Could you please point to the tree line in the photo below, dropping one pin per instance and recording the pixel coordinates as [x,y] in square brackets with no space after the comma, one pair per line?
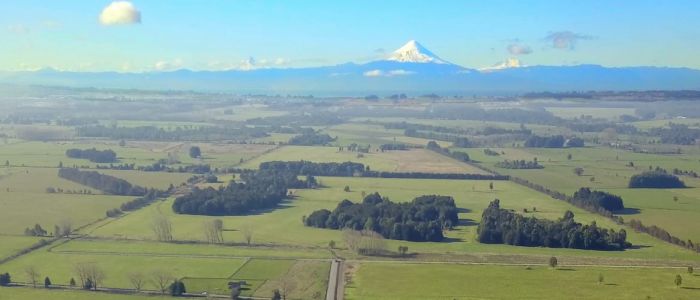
[458,155]
[187,133]
[310,139]
[519,164]
[259,190]
[350,169]
[93,155]
[555,141]
[457,141]
[420,220]
[663,235]
[106,183]
[679,134]
[501,226]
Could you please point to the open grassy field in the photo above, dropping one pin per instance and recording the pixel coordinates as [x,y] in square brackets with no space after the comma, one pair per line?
[12,293]
[36,180]
[11,244]
[20,210]
[415,160]
[374,281]
[611,113]
[140,153]
[608,169]
[158,180]
[283,226]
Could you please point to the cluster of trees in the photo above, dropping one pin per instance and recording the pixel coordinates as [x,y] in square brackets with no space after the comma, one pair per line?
[490,152]
[348,169]
[602,199]
[519,164]
[501,226]
[344,169]
[140,202]
[186,133]
[658,179]
[64,229]
[580,203]
[108,184]
[679,134]
[159,166]
[310,139]
[94,155]
[602,126]
[490,130]
[393,146]
[263,189]
[663,235]
[556,141]
[457,141]
[458,155]
[35,231]
[5,279]
[422,219]
[690,173]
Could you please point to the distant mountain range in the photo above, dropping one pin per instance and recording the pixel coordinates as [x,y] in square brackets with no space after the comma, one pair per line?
[410,69]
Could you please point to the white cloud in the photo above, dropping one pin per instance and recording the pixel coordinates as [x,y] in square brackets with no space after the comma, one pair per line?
[120,13]
[168,65]
[373,73]
[519,49]
[392,73]
[400,72]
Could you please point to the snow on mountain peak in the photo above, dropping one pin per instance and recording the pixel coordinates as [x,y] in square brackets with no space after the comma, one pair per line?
[415,52]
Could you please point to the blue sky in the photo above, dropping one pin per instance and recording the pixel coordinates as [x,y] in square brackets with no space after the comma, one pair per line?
[222,34]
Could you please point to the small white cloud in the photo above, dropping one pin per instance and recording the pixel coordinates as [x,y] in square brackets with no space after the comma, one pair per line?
[519,49]
[168,65]
[120,13]
[400,73]
[281,61]
[391,73]
[373,73]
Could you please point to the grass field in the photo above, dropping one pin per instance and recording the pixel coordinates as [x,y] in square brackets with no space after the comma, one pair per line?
[20,210]
[284,225]
[607,169]
[415,160]
[11,244]
[13,293]
[374,281]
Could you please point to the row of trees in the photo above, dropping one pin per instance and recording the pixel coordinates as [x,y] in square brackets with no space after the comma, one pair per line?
[458,155]
[555,141]
[658,179]
[663,235]
[519,164]
[393,147]
[106,183]
[349,169]
[93,155]
[457,141]
[501,226]
[310,139]
[422,219]
[190,133]
[679,134]
[262,190]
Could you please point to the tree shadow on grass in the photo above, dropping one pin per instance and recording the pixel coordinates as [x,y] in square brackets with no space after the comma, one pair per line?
[612,284]
[566,269]
[467,222]
[635,247]
[690,288]
[463,210]
[628,211]
[451,240]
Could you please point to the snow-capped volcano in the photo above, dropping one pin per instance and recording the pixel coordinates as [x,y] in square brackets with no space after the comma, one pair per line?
[414,52]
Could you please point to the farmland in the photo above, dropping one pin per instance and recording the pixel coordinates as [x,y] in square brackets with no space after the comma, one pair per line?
[273,249]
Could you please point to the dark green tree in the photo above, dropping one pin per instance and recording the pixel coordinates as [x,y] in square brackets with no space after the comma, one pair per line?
[679,280]
[177,288]
[553,262]
[5,279]
[195,152]
[276,295]
[47,282]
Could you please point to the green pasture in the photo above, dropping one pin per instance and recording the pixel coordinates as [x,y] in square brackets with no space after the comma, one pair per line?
[374,281]
[11,244]
[12,293]
[283,226]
